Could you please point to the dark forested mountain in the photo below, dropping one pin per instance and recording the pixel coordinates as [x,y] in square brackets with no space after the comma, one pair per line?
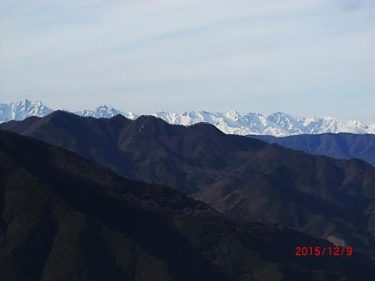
[340,146]
[64,218]
[242,177]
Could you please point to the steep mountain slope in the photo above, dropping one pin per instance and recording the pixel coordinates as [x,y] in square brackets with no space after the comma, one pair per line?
[239,176]
[231,122]
[340,146]
[63,218]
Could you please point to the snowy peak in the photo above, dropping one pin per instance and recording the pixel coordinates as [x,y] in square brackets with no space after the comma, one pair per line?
[276,124]
[319,125]
[103,111]
[22,109]
[231,122]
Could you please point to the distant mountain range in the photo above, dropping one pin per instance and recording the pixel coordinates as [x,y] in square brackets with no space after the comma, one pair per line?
[64,218]
[232,122]
[241,177]
[340,146]
[22,109]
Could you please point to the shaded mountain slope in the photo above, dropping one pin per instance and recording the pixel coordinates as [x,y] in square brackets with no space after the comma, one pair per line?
[239,176]
[63,218]
[340,146]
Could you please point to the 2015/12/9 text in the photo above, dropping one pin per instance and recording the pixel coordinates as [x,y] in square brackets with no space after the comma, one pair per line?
[319,251]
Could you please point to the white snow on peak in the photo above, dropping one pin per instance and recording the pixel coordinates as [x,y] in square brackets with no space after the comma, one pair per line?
[276,124]
[106,111]
[22,109]
[103,111]
[231,122]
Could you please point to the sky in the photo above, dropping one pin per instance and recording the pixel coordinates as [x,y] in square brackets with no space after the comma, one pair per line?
[303,57]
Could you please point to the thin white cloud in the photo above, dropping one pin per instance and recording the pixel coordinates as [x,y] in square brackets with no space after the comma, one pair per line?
[91,52]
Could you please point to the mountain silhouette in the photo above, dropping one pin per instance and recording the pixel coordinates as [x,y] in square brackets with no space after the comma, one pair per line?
[340,146]
[65,218]
[241,177]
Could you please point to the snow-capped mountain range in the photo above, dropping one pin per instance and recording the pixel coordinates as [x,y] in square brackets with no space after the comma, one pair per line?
[232,122]
[22,109]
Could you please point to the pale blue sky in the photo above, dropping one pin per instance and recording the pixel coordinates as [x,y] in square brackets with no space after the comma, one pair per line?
[304,57]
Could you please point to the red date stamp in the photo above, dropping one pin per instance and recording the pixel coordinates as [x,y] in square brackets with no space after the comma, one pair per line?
[321,251]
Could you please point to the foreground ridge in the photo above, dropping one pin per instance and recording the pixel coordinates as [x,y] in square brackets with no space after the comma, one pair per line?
[240,176]
[72,220]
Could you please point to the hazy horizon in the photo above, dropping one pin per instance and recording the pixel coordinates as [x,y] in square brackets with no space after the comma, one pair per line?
[305,58]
